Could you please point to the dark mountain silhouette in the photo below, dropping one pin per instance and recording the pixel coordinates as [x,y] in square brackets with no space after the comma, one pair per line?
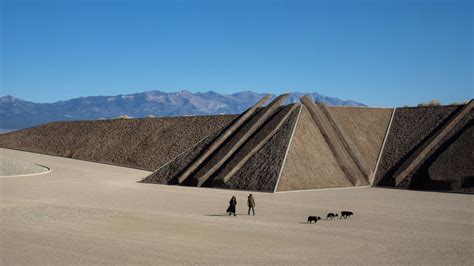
[17,113]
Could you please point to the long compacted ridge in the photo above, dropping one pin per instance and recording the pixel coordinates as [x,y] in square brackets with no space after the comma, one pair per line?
[257,142]
[222,138]
[237,140]
[336,145]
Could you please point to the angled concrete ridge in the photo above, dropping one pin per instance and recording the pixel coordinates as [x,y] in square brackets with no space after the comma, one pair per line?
[255,123]
[424,151]
[348,144]
[222,138]
[335,144]
[274,127]
[387,132]
[287,149]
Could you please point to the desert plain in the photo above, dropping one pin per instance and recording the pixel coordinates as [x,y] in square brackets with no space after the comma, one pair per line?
[89,213]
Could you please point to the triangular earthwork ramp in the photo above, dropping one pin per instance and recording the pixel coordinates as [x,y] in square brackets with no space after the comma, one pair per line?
[310,163]
[334,147]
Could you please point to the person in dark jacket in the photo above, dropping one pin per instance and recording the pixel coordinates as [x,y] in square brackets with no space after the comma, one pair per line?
[232,204]
[251,203]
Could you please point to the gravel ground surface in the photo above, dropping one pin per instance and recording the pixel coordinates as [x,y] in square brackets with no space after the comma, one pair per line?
[84,213]
[11,167]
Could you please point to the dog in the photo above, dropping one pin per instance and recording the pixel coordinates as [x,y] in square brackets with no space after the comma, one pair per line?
[313,218]
[331,216]
[345,214]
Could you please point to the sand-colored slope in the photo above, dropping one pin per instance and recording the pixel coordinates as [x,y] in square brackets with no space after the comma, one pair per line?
[138,143]
[14,167]
[310,163]
[86,213]
[365,127]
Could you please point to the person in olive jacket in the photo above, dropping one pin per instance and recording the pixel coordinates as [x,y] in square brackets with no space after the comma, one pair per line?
[251,203]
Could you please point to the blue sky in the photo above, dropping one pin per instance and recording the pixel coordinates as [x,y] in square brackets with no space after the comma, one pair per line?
[381,53]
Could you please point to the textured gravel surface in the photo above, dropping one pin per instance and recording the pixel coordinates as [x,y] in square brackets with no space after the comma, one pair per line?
[240,136]
[261,172]
[10,167]
[169,173]
[411,127]
[84,213]
[258,174]
[251,146]
[451,167]
[138,143]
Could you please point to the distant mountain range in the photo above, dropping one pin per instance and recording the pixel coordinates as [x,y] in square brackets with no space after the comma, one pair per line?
[17,113]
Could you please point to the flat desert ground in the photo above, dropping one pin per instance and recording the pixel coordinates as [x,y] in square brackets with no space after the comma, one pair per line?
[89,213]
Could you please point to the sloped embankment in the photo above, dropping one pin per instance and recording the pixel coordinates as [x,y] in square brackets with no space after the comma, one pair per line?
[449,167]
[250,159]
[137,143]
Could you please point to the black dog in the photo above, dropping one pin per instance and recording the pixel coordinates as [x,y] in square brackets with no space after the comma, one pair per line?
[345,214]
[313,218]
[331,216]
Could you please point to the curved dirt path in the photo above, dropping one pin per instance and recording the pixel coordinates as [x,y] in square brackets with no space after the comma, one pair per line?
[89,213]
[13,168]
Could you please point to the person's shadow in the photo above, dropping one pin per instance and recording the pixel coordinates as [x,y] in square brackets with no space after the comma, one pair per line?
[226,214]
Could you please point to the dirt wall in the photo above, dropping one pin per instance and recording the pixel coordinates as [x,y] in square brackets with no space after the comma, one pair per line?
[450,167]
[137,143]
[411,127]
[254,144]
[169,173]
[261,172]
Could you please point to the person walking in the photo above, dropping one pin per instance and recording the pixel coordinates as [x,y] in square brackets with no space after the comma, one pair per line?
[232,204]
[251,203]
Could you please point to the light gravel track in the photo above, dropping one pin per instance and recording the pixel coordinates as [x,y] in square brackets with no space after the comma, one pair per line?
[14,167]
[88,213]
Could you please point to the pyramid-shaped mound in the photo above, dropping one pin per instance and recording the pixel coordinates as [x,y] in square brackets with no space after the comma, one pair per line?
[323,154]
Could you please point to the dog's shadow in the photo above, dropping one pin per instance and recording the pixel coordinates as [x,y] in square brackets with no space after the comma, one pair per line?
[224,214]
[326,219]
